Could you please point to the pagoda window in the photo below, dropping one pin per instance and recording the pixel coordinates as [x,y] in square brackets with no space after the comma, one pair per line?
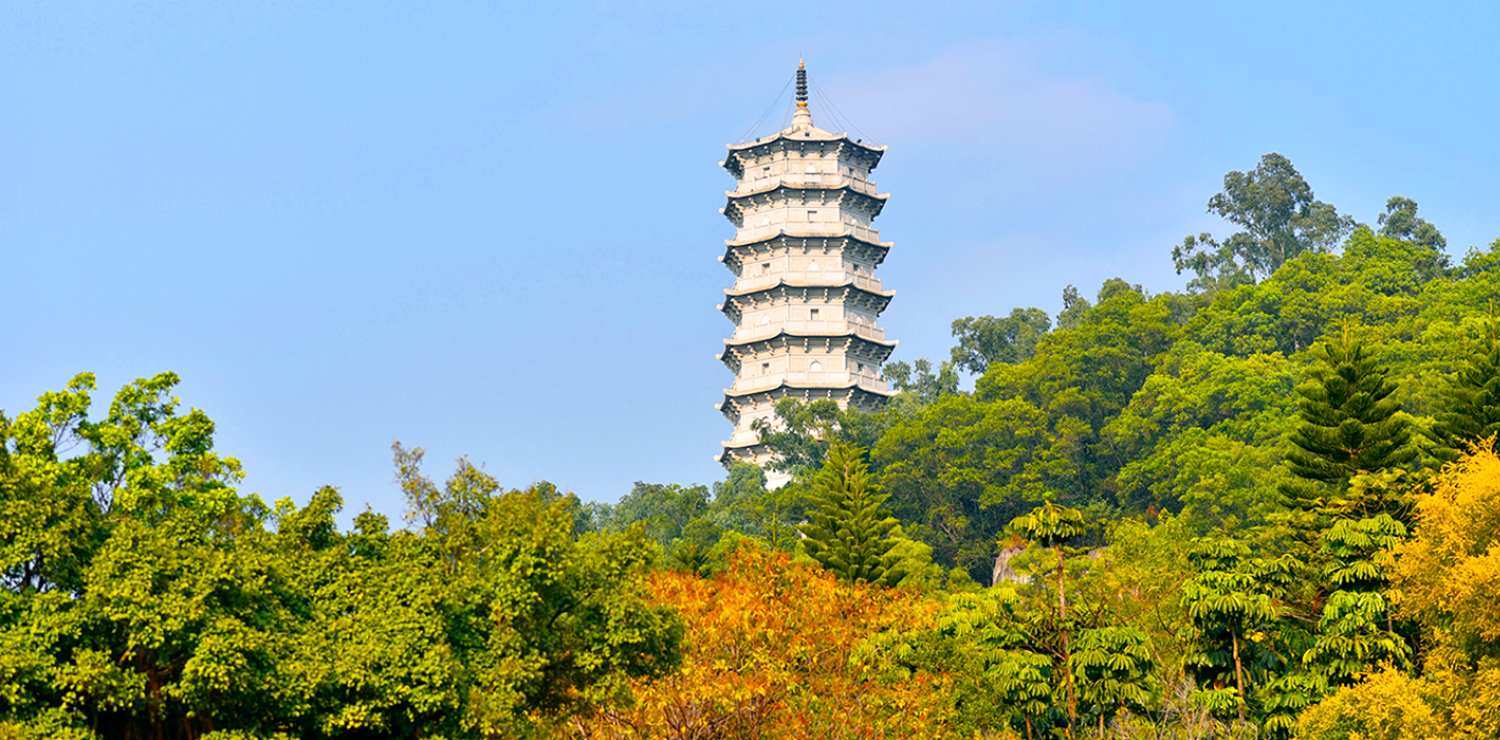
[815,367]
[811,170]
[813,265]
[765,368]
[812,314]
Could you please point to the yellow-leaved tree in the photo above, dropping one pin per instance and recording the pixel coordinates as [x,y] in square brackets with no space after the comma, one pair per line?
[1447,578]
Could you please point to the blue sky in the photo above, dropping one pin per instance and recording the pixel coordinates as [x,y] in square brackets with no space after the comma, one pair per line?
[490,230]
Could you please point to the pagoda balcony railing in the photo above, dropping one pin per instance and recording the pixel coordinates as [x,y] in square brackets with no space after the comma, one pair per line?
[834,378]
[770,329]
[807,277]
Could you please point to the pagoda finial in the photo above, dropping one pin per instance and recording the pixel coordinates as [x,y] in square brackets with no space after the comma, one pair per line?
[801,84]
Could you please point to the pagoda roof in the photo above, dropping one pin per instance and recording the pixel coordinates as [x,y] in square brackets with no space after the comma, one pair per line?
[888,343]
[871,203]
[857,344]
[872,299]
[787,236]
[784,283]
[731,404]
[796,137]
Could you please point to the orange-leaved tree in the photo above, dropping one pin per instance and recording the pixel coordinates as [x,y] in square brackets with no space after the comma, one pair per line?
[770,653]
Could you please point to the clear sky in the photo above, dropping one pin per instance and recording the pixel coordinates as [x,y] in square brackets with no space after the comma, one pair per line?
[490,229]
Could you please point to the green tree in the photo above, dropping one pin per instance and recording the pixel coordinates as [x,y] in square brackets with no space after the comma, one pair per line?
[1400,221]
[1469,408]
[1054,527]
[1083,377]
[1356,633]
[1231,601]
[177,613]
[849,532]
[1203,435]
[1350,427]
[1280,220]
[1114,671]
[802,432]
[985,340]
[663,510]
[1075,307]
[962,468]
[918,379]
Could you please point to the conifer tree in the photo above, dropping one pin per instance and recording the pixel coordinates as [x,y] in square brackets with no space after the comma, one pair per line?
[1470,405]
[1350,427]
[849,531]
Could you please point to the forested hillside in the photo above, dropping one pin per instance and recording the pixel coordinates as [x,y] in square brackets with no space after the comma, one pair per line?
[1263,506]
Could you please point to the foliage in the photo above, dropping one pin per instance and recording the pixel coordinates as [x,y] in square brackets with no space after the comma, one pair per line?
[1232,602]
[1350,424]
[1203,435]
[986,340]
[1114,671]
[849,532]
[1280,218]
[773,652]
[802,432]
[1470,404]
[144,597]
[1449,572]
[920,381]
[961,468]
[1351,428]
[1387,705]
[1400,221]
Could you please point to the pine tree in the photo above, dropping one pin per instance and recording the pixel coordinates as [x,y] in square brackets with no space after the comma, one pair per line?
[849,532]
[1470,405]
[1350,427]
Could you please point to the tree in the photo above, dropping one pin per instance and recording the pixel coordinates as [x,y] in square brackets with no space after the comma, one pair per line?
[802,432]
[1469,408]
[1231,600]
[1075,307]
[959,470]
[1280,220]
[849,531]
[176,612]
[986,340]
[1082,377]
[1400,221]
[1204,434]
[662,509]
[1113,669]
[1449,572]
[1356,633]
[1053,527]
[1350,427]
[918,379]
[775,650]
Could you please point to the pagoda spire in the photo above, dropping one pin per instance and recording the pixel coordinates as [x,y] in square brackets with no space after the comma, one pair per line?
[801,84]
[803,117]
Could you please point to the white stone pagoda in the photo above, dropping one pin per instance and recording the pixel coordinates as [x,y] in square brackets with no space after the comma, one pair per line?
[805,299]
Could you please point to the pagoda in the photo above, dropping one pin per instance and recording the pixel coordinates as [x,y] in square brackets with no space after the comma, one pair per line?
[805,299]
